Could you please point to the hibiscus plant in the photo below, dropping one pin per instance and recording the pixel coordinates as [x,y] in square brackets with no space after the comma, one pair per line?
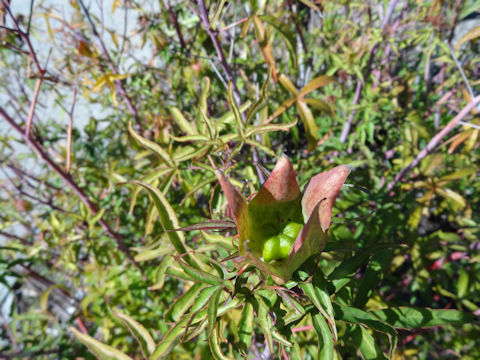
[269,288]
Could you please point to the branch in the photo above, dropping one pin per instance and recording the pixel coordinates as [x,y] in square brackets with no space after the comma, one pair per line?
[203,14]
[25,36]
[69,181]
[434,141]
[31,113]
[174,20]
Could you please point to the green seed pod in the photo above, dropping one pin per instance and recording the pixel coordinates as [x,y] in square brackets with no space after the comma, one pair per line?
[278,247]
[271,249]
[292,229]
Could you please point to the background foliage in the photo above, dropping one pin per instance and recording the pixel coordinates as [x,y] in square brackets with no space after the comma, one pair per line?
[98,96]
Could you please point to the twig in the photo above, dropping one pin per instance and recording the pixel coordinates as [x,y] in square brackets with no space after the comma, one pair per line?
[31,113]
[454,20]
[33,197]
[469,124]
[460,69]
[124,38]
[390,9]
[174,20]
[15,237]
[26,38]
[434,141]
[235,23]
[348,123]
[20,172]
[298,29]
[30,17]
[203,14]
[69,132]
[5,324]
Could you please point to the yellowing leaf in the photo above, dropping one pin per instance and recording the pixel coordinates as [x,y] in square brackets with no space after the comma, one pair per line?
[319,105]
[265,47]
[150,145]
[288,84]
[143,337]
[261,129]
[100,350]
[315,84]
[311,128]
[284,106]
[114,5]
[452,196]
[108,79]
[471,35]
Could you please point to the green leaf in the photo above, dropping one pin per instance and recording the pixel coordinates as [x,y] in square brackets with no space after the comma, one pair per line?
[149,178]
[183,123]
[265,321]
[325,340]
[160,273]
[170,339]
[185,153]
[417,318]
[288,84]
[229,117]
[151,254]
[214,341]
[288,37]
[356,316]
[374,274]
[45,295]
[311,5]
[178,273]
[320,286]
[200,275]
[236,112]
[344,272]
[143,337]
[319,105]
[100,350]
[262,147]
[366,344]
[150,145]
[169,221]
[262,100]
[471,35]
[463,283]
[311,129]
[261,129]
[183,303]
[315,84]
[204,297]
[452,196]
[190,138]
[212,312]
[310,292]
[245,326]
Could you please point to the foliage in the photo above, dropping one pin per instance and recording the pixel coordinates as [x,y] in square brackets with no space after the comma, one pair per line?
[117,239]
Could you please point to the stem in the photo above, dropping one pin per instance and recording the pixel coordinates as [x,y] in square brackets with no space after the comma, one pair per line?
[174,20]
[31,113]
[203,14]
